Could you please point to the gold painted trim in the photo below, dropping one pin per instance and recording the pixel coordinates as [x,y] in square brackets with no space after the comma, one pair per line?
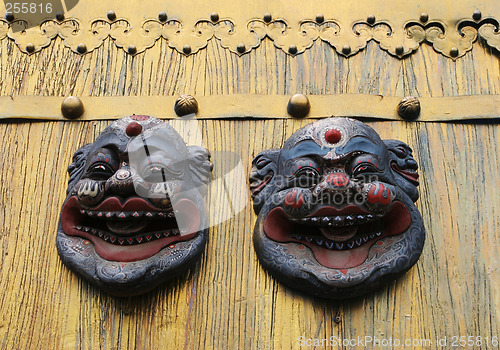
[433,109]
[347,40]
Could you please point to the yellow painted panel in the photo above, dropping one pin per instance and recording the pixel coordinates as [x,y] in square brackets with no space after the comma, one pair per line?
[228,301]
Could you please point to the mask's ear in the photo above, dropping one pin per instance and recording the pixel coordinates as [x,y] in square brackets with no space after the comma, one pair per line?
[75,169]
[403,167]
[201,167]
[262,176]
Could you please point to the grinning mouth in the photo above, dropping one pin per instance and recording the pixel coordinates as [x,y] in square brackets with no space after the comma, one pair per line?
[410,175]
[131,231]
[338,238]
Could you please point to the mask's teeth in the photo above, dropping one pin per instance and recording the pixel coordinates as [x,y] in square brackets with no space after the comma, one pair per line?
[339,220]
[326,221]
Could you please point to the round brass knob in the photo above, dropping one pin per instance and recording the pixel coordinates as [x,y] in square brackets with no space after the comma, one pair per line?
[409,108]
[298,106]
[72,107]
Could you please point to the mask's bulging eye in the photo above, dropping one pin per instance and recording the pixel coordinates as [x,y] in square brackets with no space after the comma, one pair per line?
[100,171]
[364,168]
[306,177]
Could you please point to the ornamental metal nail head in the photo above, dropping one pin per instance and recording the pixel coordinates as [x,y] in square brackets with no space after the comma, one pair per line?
[214,17]
[81,48]
[9,16]
[60,16]
[132,50]
[298,106]
[454,52]
[117,227]
[30,48]
[424,17]
[72,107]
[409,108]
[162,16]
[320,18]
[241,48]
[185,105]
[477,15]
[111,15]
[370,19]
[186,49]
[268,17]
[346,50]
[292,49]
[399,50]
[336,213]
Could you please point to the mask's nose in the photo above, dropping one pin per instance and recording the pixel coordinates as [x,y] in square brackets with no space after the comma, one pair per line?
[335,183]
[121,182]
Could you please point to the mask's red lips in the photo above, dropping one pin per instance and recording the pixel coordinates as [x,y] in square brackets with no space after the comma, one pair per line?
[331,211]
[141,245]
[411,176]
[333,254]
[132,204]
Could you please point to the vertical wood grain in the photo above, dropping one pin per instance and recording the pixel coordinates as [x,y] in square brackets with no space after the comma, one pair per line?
[228,301]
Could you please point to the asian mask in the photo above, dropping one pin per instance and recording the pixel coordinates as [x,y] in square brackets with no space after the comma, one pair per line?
[134,215]
[336,213]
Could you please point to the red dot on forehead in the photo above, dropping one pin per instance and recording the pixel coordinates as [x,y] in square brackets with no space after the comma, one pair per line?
[333,136]
[133,129]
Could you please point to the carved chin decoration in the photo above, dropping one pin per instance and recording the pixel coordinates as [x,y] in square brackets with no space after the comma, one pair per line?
[134,215]
[336,213]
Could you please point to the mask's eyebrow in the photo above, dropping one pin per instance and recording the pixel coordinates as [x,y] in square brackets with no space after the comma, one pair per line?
[305,148]
[361,144]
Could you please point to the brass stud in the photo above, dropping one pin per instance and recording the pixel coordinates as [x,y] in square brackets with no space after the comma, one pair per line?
[370,19]
[214,17]
[409,108]
[298,106]
[162,16]
[399,50]
[72,107]
[320,18]
[60,16]
[346,50]
[241,48]
[30,48]
[454,52]
[292,49]
[424,17]
[185,105]
[9,16]
[81,48]
[268,18]
[111,15]
[132,50]
[476,15]
[337,319]
[186,49]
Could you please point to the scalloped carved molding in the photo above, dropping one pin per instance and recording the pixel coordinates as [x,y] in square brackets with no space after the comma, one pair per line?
[82,37]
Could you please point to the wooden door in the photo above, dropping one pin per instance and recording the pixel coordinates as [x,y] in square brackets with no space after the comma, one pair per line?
[242,84]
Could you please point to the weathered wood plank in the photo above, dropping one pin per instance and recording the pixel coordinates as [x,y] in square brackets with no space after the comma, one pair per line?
[228,301]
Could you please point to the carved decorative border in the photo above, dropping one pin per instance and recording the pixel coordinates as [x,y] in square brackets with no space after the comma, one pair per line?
[346,40]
